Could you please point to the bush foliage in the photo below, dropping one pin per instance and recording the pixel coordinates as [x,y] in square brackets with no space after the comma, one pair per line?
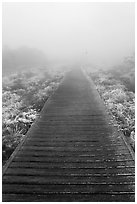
[23,97]
[119,101]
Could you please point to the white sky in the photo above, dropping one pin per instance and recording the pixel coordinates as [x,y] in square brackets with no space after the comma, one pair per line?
[65,30]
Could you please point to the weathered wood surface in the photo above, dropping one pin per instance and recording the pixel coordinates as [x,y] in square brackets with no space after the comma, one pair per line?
[71,153]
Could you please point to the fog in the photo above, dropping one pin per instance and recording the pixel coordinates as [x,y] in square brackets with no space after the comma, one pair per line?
[98,33]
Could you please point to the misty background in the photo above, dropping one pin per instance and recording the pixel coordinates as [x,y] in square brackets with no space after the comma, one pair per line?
[44,34]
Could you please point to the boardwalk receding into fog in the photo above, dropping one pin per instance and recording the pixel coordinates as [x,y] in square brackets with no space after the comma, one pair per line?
[71,153]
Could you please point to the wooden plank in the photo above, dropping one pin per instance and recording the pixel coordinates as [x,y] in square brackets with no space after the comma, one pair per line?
[68,171]
[72,144]
[68,197]
[66,179]
[93,149]
[45,189]
[72,154]
[107,165]
[70,159]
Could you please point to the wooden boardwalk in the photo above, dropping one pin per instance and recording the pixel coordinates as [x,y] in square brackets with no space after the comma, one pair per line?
[71,153]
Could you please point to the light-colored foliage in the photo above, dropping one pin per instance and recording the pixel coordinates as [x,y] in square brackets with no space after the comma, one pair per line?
[119,101]
[23,97]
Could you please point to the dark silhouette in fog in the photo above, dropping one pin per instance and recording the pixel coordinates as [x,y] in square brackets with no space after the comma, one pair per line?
[20,59]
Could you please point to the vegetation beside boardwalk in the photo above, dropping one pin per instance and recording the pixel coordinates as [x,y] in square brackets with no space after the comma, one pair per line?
[117,88]
[23,96]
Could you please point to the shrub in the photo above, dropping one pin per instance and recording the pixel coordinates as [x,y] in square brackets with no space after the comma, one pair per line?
[119,100]
[23,97]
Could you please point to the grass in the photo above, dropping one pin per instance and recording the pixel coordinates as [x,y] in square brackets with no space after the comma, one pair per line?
[23,96]
[119,100]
